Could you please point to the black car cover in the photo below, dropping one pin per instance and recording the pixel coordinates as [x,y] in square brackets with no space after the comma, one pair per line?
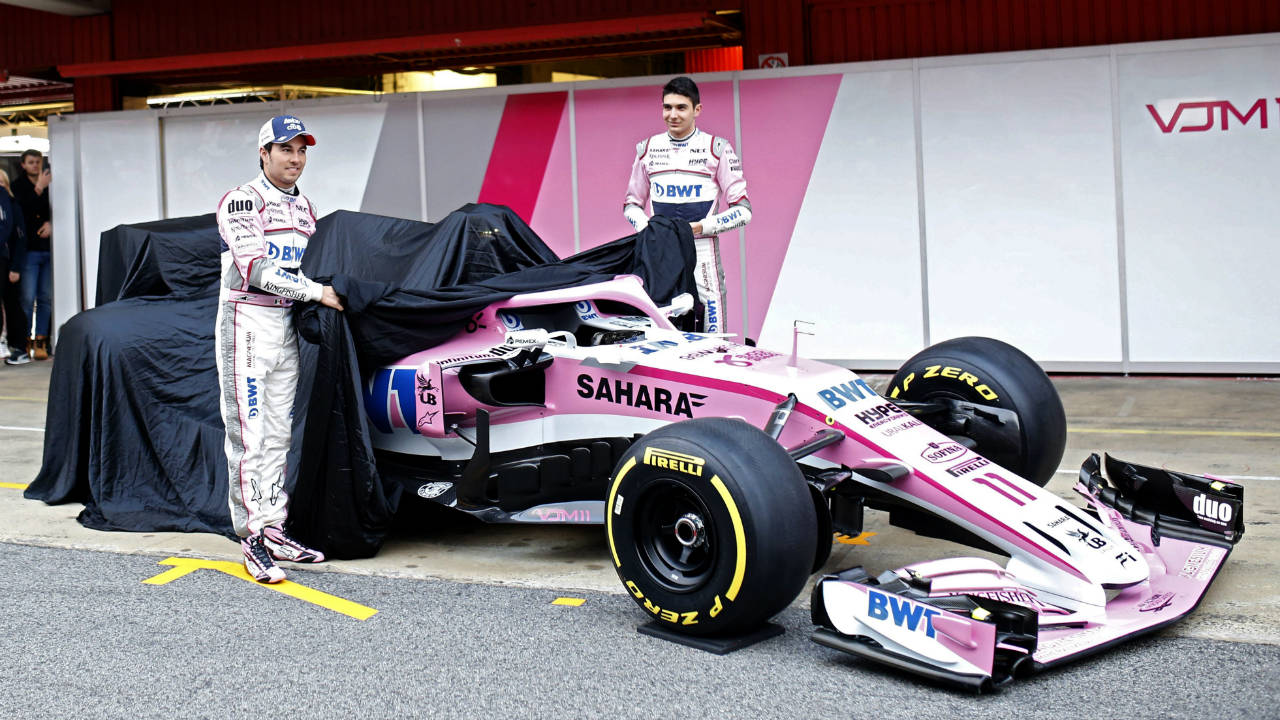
[133,429]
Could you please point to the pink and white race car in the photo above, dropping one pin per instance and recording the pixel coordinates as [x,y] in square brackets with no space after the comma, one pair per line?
[720,471]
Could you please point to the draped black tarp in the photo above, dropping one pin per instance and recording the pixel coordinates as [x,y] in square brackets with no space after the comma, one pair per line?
[133,429]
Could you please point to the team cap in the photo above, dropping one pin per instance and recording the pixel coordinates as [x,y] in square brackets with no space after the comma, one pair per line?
[282,129]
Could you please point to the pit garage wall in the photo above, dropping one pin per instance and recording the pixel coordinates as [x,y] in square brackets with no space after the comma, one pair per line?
[1031,196]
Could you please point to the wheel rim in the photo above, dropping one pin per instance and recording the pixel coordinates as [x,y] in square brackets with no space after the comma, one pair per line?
[675,536]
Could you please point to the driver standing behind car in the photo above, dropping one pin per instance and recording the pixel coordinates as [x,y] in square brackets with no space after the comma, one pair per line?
[684,171]
[264,225]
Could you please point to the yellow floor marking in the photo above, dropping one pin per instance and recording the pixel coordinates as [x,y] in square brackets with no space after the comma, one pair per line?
[185,566]
[571,602]
[171,574]
[20,398]
[862,539]
[1206,433]
[14,486]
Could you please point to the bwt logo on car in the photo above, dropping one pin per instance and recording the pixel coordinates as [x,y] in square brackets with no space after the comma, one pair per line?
[252,394]
[901,612]
[840,395]
[1200,115]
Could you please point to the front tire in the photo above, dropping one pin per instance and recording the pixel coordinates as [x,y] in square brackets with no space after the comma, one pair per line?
[711,526]
[990,372]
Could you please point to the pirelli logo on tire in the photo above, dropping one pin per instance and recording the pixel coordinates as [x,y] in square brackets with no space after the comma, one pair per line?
[671,460]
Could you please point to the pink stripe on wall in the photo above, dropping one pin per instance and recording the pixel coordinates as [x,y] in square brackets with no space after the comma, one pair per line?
[783,121]
[552,217]
[609,124]
[521,151]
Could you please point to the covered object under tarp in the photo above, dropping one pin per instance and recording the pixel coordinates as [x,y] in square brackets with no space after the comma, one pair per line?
[133,430]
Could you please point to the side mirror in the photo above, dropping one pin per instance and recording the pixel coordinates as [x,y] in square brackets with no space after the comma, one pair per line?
[680,305]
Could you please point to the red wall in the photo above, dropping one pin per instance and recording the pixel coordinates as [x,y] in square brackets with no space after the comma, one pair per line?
[713,60]
[830,31]
[153,28]
[809,31]
[31,40]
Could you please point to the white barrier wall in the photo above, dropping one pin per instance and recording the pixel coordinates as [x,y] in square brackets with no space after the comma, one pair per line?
[1200,199]
[1105,208]
[1020,206]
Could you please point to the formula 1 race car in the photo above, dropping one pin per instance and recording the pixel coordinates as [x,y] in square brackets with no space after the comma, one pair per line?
[721,470]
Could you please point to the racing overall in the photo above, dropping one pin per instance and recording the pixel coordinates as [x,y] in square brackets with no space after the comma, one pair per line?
[684,179]
[264,235]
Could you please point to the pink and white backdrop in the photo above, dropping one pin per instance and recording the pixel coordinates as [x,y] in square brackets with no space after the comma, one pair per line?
[1032,197]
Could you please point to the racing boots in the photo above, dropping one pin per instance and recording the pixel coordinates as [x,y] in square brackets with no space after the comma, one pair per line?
[258,562]
[283,547]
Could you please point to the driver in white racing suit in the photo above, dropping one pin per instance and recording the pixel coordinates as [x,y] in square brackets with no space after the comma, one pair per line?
[264,225]
[683,172]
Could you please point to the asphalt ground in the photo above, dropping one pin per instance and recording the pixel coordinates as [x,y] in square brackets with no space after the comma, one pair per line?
[463,621]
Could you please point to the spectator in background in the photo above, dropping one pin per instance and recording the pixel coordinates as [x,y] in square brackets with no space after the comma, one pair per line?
[31,191]
[12,254]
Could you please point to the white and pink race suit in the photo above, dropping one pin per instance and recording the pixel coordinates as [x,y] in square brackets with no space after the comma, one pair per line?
[264,235]
[684,179]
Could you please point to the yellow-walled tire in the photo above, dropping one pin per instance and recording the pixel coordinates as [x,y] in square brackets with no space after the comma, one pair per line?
[711,526]
[990,372]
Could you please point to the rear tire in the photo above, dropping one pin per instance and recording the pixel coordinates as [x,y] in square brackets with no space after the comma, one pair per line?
[990,372]
[711,526]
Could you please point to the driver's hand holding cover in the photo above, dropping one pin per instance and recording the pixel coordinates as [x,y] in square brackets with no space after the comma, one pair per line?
[264,235]
[683,179]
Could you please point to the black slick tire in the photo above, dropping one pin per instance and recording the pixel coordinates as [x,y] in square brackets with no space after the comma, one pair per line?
[711,526]
[990,372]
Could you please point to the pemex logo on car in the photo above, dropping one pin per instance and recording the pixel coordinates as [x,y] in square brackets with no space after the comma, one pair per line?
[940,452]
[671,460]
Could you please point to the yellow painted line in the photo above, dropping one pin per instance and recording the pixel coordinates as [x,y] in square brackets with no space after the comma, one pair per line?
[1205,433]
[185,566]
[171,574]
[21,398]
[861,539]
[571,602]
[14,486]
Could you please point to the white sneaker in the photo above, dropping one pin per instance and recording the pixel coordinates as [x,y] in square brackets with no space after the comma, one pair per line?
[283,547]
[258,562]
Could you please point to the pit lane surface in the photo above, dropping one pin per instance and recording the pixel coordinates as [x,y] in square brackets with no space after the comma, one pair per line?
[85,636]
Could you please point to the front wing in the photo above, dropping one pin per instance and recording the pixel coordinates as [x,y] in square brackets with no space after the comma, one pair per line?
[917,619]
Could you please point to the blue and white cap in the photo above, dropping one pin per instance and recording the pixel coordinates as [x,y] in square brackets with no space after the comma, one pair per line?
[282,129]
